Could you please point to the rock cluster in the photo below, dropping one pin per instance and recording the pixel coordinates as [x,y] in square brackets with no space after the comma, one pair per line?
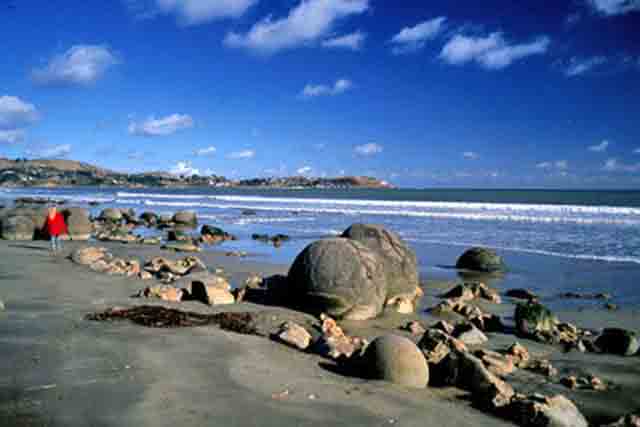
[27,223]
[101,261]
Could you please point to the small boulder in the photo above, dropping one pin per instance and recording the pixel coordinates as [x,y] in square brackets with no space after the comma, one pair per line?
[181,247]
[469,334]
[618,341]
[88,256]
[78,223]
[188,218]
[294,335]
[19,228]
[396,359]
[482,260]
[111,215]
[532,318]
[539,410]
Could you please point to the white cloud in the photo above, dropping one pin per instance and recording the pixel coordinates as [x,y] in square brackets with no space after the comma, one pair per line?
[412,39]
[614,7]
[184,169]
[12,136]
[340,86]
[370,149]
[243,154]
[57,151]
[470,155]
[15,112]
[351,41]
[579,66]
[81,64]
[599,148]
[192,12]
[558,164]
[209,151]
[161,127]
[309,21]
[304,170]
[636,151]
[492,52]
[612,165]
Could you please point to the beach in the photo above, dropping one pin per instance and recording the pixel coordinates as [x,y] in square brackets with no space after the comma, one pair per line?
[59,369]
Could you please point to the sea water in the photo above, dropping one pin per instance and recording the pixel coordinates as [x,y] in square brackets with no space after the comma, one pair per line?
[553,241]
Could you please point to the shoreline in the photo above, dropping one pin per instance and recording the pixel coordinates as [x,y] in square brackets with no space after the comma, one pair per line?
[57,365]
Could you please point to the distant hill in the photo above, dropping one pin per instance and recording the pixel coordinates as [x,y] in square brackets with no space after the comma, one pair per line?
[56,173]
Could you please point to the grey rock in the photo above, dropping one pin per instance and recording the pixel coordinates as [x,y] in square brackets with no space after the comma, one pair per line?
[482,260]
[618,341]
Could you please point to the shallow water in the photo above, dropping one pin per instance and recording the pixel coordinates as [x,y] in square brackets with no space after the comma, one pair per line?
[553,241]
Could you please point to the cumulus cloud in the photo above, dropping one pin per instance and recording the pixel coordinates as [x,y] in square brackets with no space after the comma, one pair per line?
[412,39]
[370,149]
[15,113]
[12,136]
[340,86]
[184,169]
[193,12]
[243,154]
[306,23]
[614,7]
[353,41]
[613,165]
[208,151]
[579,66]
[81,65]
[161,127]
[599,148]
[492,52]
[57,151]
[304,170]
[558,164]
[470,155]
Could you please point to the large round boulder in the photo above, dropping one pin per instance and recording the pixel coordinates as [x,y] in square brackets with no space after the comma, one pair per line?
[185,218]
[111,215]
[396,359]
[481,259]
[400,263]
[340,277]
[78,223]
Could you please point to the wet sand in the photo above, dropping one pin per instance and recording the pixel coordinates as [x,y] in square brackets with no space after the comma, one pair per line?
[59,369]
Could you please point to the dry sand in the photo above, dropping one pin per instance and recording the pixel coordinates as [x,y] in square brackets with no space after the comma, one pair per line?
[59,369]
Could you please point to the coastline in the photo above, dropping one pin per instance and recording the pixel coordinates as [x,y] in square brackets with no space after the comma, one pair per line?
[62,370]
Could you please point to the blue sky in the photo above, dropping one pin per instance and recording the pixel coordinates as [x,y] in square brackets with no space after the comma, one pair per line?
[466,94]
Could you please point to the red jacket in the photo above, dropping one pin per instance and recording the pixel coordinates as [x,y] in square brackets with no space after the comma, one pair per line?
[56,226]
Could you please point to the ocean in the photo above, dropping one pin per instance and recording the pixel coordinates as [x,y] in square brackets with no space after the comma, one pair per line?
[553,241]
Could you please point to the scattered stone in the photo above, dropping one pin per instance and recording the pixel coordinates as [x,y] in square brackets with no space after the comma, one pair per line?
[466,371]
[532,318]
[396,359]
[630,420]
[469,334]
[610,306]
[212,235]
[542,367]
[519,354]
[415,328]
[496,363]
[437,344]
[472,290]
[538,410]
[480,259]
[187,218]
[576,295]
[334,343]
[89,255]
[187,265]
[295,335]
[618,341]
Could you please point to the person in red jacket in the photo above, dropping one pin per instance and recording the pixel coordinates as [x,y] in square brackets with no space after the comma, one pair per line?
[55,227]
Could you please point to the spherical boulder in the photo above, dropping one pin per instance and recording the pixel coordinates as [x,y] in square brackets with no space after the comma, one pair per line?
[78,223]
[340,277]
[185,218]
[481,259]
[396,359]
[400,262]
[111,215]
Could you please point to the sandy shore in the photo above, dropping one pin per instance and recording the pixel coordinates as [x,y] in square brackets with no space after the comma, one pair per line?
[59,369]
